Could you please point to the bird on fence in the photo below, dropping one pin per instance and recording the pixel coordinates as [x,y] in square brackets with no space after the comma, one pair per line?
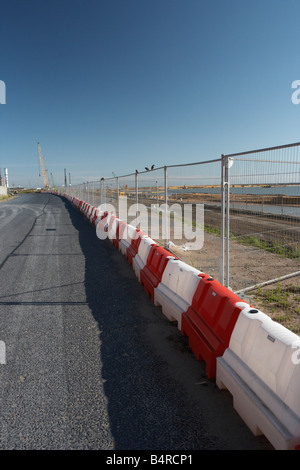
[147,168]
[152,168]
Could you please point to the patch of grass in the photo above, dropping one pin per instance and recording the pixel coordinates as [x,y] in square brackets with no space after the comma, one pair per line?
[211,229]
[25,191]
[278,297]
[4,198]
[253,240]
[216,231]
[282,304]
[271,246]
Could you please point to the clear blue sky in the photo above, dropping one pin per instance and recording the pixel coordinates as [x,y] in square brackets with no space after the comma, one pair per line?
[116,85]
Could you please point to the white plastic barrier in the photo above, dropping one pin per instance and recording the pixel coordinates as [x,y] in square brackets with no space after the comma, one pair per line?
[92,214]
[261,369]
[89,212]
[112,228]
[125,241]
[102,224]
[95,219]
[174,294]
[98,218]
[140,259]
[82,207]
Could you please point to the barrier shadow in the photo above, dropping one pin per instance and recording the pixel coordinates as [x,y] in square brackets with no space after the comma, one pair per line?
[147,407]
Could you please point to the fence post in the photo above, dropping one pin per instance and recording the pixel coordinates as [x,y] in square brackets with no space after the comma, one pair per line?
[227,218]
[118,200]
[166,207]
[102,192]
[136,196]
[222,265]
[227,163]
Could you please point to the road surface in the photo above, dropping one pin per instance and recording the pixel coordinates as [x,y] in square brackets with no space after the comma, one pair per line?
[90,362]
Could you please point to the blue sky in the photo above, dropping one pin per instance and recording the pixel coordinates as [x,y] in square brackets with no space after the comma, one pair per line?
[116,85]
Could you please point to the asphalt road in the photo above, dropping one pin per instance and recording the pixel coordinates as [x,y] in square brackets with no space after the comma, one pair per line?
[91,363]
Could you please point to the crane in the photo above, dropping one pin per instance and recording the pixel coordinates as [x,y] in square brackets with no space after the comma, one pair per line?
[44,173]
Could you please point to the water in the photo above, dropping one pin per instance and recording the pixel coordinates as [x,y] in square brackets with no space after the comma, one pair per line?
[293,190]
[264,209]
[261,209]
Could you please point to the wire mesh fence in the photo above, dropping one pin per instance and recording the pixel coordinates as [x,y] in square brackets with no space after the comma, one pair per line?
[265,209]
[194,199]
[236,217]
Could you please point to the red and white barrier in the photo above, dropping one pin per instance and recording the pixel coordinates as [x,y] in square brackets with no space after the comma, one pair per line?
[133,248]
[112,228]
[93,215]
[140,259]
[120,233]
[261,369]
[151,273]
[128,235]
[104,219]
[174,294]
[209,321]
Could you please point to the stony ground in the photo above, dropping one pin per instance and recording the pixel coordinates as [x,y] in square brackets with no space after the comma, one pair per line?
[251,266]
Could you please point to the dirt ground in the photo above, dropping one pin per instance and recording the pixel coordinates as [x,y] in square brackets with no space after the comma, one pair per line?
[250,266]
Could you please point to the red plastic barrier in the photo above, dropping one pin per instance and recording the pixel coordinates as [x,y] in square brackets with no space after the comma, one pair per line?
[90,212]
[86,211]
[103,223]
[209,321]
[111,226]
[134,246]
[85,208]
[94,216]
[152,272]
[121,226]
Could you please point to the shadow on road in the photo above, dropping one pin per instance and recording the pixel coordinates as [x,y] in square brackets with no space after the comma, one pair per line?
[147,406]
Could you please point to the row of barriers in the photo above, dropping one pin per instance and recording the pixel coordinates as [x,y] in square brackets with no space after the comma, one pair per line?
[256,359]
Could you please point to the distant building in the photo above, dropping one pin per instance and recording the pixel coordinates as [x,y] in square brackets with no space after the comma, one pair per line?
[3,190]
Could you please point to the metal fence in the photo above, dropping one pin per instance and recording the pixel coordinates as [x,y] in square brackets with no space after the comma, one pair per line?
[236,217]
[264,208]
